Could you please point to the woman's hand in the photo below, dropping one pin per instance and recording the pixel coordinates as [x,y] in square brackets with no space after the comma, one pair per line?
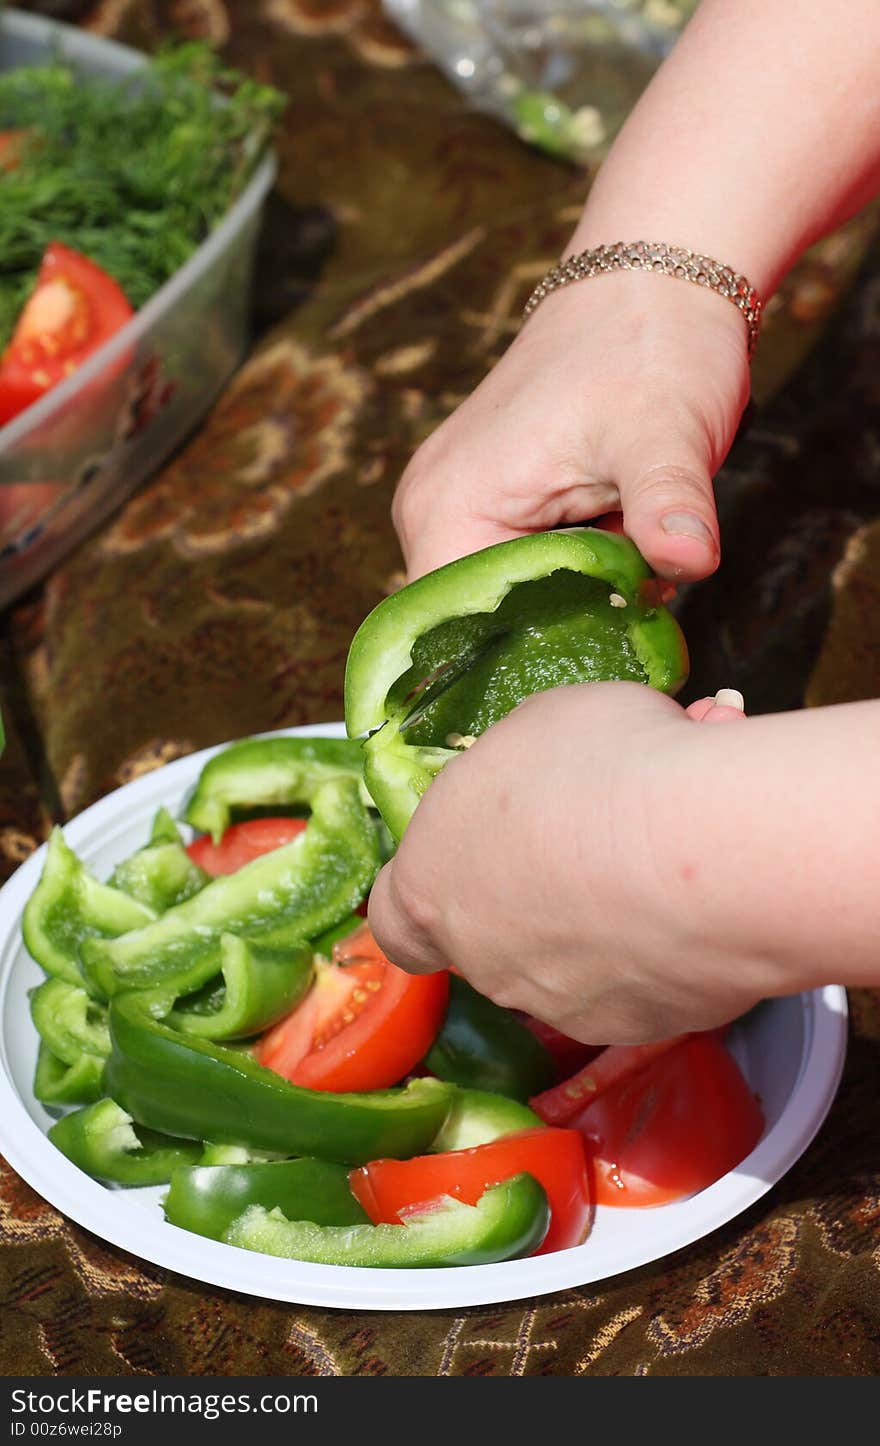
[548,864]
[621,393]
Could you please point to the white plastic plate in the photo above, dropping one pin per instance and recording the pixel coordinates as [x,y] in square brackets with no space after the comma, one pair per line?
[791,1050]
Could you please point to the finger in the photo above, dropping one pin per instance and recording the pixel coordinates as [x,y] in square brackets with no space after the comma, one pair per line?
[720,714]
[669,512]
[394,930]
[730,698]
[613,522]
[697,711]
[728,706]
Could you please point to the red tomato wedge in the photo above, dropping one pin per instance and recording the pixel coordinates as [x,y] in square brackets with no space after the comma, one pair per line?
[389,1189]
[74,308]
[673,1128]
[243,842]
[617,1062]
[363,1025]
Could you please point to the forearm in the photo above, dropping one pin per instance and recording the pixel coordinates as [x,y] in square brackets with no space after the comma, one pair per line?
[759,134]
[775,830]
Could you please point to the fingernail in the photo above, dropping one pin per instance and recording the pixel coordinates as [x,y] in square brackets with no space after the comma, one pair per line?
[730,698]
[687,524]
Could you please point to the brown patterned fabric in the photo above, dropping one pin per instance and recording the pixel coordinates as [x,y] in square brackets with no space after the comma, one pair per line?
[403,238]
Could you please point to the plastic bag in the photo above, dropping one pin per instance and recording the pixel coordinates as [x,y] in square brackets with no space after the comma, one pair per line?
[564,74]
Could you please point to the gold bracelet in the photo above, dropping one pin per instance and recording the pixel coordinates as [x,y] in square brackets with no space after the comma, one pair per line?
[656,256]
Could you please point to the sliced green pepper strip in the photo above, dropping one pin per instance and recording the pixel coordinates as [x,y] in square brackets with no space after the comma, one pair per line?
[208,1199]
[457,649]
[70,906]
[69,1021]
[102,1141]
[478,1116]
[59,1083]
[164,829]
[259,987]
[261,771]
[508,1221]
[303,888]
[485,1047]
[237,1155]
[322,946]
[186,1086]
[162,874]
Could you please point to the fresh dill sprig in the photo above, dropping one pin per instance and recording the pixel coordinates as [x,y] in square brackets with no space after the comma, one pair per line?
[133,174]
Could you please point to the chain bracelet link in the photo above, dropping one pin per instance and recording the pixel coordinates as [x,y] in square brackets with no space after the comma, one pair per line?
[656,256]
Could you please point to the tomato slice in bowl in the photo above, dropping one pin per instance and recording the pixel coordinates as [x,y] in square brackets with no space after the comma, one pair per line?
[610,1066]
[74,308]
[363,1025]
[673,1128]
[390,1189]
[243,842]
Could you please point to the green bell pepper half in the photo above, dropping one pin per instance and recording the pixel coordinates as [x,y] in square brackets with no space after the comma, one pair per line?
[285,772]
[456,650]
[101,1140]
[508,1221]
[301,889]
[69,1021]
[259,987]
[58,1083]
[485,1047]
[207,1199]
[185,1086]
[161,874]
[68,907]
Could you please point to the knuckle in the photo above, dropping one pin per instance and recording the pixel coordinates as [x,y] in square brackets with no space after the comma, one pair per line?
[413,493]
[414,907]
[672,482]
[404,503]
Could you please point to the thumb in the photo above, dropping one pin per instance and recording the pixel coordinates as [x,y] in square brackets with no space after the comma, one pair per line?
[669,512]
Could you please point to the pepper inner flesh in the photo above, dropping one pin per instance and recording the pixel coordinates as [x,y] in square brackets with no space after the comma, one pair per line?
[558,629]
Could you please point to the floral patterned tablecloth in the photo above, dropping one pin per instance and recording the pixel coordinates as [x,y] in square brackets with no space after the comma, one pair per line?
[400,244]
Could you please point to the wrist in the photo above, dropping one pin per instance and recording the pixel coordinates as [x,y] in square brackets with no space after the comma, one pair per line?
[723,865]
[604,224]
[658,324]
[656,260]
[766,826]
